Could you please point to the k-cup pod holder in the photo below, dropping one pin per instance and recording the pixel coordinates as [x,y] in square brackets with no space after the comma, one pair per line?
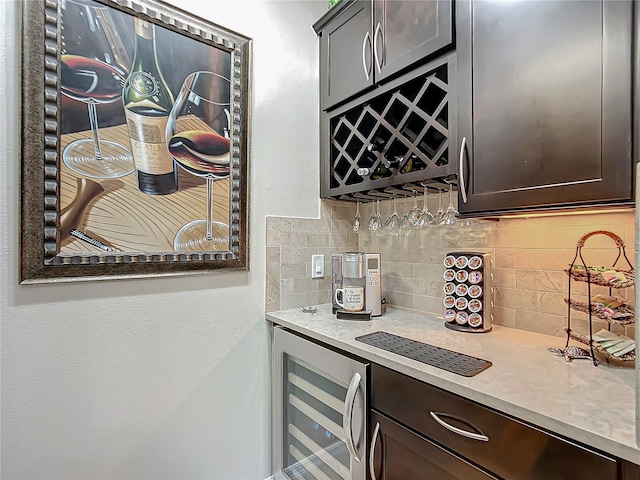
[467,291]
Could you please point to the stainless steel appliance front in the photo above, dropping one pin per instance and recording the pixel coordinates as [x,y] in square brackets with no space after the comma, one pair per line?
[319,402]
[359,270]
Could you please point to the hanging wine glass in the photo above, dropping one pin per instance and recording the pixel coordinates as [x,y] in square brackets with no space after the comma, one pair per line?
[426,217]
[356,221]
[93,66]
[414,214]
[406,226]
[392,225]
[449,217]
[375,220]
[437,218]
[197,136]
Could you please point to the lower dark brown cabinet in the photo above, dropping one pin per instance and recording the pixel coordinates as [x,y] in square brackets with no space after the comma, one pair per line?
[399,454]
[426,429]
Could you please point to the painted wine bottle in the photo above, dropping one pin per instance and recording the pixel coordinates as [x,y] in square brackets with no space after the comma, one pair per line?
[147,104]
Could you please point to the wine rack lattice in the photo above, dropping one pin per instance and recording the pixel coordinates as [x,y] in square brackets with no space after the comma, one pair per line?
[398,134]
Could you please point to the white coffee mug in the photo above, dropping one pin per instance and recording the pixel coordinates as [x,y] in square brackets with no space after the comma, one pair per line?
[352,298]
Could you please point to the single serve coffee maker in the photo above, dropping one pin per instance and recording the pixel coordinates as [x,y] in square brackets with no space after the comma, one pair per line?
[357,285]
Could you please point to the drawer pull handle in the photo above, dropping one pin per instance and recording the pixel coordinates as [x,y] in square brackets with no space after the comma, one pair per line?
[347,417]
[475,436]
[372,453]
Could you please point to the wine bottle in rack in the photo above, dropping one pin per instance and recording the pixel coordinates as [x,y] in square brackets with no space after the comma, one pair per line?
[376,145]
[147,103]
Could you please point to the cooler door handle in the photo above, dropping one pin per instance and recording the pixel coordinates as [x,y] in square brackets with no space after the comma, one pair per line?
[347,418]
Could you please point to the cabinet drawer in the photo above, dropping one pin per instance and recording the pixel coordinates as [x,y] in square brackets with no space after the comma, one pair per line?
[399,454]
[500,444]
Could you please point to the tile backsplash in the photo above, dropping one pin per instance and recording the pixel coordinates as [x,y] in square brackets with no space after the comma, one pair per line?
[290,244]
[529,255]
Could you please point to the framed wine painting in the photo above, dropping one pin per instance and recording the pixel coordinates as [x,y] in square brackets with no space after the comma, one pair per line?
[135,142]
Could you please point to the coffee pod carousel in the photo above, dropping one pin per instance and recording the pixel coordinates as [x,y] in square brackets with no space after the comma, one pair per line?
[467,290]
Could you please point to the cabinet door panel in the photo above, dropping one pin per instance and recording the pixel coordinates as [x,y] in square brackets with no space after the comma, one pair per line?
[409,31]
[547,109]
[529,101]
[346,56]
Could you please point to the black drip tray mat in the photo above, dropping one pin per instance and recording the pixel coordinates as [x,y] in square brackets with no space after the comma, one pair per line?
[448,360]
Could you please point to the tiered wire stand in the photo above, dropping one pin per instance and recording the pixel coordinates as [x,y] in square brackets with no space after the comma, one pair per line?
[595,278]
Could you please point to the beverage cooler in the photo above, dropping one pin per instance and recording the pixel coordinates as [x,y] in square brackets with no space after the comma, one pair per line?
[320,406]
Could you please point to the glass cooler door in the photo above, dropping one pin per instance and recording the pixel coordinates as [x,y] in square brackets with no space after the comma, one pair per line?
[320,411]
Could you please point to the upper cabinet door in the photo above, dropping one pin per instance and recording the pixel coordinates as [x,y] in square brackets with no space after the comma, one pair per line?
[408,31]
[545,104]
[346,54]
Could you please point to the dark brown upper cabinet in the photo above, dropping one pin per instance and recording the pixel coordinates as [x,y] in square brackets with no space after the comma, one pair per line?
[363,42]
[346,63]
[408,31]
[544,104]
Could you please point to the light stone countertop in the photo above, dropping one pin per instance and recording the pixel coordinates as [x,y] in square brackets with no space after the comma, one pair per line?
[592,405]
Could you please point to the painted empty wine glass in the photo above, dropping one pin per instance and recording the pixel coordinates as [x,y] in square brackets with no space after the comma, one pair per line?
[426,217]
[375,220]
[356,221]
[392,225]
[94,65]
[198,139]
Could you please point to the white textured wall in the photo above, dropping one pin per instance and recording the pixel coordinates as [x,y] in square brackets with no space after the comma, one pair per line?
[168,377]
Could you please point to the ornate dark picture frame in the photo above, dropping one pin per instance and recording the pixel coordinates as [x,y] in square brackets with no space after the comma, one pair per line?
[46,255]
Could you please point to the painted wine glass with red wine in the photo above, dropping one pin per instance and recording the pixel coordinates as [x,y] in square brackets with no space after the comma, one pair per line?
[94,65]
[198,139]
